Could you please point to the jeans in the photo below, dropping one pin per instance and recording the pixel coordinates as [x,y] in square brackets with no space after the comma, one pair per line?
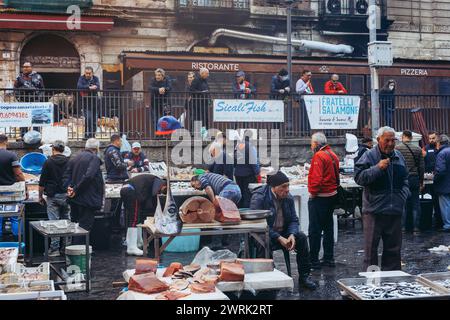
[91,116]
[412,205]
[231,192]
[389,229]
[243,183]
[444,202]
[301,246]
[57,208]
[321,219]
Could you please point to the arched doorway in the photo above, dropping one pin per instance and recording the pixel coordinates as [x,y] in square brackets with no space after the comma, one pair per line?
[55,58]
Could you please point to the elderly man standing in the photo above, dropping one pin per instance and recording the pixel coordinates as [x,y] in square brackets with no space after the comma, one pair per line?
[383,174]
[442,180]
[200,98]
[283,223]
[85,186]
[323,181]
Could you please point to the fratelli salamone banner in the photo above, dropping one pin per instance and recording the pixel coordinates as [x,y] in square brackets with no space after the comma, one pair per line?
[332,112]
[26,114]
[248,110]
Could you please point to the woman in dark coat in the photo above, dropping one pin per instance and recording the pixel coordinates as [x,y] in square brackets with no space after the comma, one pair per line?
[387,102]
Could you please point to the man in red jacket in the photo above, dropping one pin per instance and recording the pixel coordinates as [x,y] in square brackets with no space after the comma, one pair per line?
[333,86]
[322,185]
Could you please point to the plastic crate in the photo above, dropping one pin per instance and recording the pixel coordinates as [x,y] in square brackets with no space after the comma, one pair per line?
[13,193]
[43,271]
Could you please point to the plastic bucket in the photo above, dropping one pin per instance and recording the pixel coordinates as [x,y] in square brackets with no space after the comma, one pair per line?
[184,243]
[76,256]
[32,162]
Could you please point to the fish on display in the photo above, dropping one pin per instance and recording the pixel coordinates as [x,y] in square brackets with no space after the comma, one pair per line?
[168,221]
[392,290]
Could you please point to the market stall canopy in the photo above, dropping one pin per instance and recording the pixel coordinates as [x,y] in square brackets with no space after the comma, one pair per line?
[53,22]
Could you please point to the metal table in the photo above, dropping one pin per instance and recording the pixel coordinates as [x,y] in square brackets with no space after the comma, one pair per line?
[249,228]
[35,225]
[20,213]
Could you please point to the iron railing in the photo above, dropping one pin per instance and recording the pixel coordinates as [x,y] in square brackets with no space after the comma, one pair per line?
[135,113]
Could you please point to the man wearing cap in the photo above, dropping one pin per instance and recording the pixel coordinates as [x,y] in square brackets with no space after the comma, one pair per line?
[283,223]
[83,180]
[139,196]
[51,184]
[242,89]
[136,160]
[116,168]
[281,85]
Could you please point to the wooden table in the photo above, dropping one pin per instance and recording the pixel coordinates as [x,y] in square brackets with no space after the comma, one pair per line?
[248,228]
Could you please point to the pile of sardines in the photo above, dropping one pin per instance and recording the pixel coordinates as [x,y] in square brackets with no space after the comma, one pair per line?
[392,290]
[444,283]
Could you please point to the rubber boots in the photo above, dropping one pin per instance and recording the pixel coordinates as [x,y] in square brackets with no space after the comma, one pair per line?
[132,248]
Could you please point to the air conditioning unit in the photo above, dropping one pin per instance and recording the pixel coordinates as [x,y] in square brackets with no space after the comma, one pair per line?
[361,7]
[334,6]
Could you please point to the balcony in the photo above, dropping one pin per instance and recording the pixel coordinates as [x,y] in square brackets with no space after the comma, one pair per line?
[207,11]
[47,5]
[349,15]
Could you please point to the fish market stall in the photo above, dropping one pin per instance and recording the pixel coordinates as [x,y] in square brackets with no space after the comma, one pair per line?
[178,189]
[438,279]
[246,227]
[391,288]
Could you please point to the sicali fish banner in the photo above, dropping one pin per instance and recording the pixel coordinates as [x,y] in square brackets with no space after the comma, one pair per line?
[248,110]
[26,114]
[332,112]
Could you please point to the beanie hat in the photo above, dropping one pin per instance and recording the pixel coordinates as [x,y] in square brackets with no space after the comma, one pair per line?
[277,179]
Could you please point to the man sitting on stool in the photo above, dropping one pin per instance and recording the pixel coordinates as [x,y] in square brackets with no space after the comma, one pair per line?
[139,196]
[283,223]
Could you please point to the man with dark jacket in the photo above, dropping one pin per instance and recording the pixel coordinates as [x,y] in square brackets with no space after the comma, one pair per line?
[283,222]
[366,145]
[242,89]
[442,180]
[140,196]
[383,174]
[85,186]
[199,90]
[29,85]
[160,89]
[51,184]
[246,168]
[323,181]
[280,86]
[415,165]
[89,85]
[431,151]
[116,168]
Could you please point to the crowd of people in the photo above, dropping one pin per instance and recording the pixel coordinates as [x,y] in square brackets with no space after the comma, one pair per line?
[29,87]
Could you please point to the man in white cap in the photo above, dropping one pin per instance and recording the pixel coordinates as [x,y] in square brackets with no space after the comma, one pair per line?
[136,160]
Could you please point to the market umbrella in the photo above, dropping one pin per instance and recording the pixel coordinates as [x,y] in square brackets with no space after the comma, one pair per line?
[419,125]
[168,221]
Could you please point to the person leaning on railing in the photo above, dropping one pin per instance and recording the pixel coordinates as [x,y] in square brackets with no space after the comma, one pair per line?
[89,86]
[304,87]
[29,84]
[200,98]
[160,89]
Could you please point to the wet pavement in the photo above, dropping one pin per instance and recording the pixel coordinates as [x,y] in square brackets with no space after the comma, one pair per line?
[108,266]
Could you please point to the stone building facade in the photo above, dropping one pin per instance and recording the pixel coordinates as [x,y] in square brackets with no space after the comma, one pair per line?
[418,30]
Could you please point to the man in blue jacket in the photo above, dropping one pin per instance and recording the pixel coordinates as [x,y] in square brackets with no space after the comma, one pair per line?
[280,86]
[441,180]
[383,174]
[88,84]
[116,168]
[283,223]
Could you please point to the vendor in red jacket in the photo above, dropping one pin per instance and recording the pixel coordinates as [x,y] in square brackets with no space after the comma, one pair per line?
[333,86]
[323,181]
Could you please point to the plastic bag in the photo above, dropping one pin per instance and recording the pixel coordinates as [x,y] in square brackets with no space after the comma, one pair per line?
[126,146]
[207,256]
[32,137]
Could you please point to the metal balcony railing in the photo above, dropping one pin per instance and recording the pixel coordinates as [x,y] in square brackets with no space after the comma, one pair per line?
[135,113]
